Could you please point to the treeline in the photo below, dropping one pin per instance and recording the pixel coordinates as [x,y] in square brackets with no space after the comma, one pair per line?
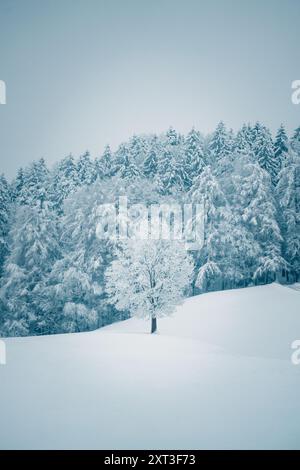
[52,264]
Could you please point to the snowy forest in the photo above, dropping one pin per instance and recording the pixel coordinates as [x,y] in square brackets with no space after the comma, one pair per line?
[58,276]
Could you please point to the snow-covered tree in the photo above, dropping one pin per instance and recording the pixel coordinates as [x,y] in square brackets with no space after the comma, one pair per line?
[74,289]
[148,278]
[150,165]
[32,184]
[295,141]
[104,164]
[255,203]
[244,140]
[172,136]
[125,165]
[5,203]
[263,148]
[172,174]
[281,147]
[288,196]
[220,144]
[194,155]
[137,149]
[86,169]
[64,181]
[33,248]
[17,184]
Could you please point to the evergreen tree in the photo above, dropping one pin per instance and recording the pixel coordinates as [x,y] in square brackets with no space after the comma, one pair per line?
[33,247]
[288,196]
[5,202]
[264,150]
[255,203]
[18,184]
[128,168]
[74,289]
[219,145]
[150,166]
[32,185]
[295,141]
[244,140]
[104,164]
[64,181]
[137,150]
[86,169]
[281,147]
[172,136]
[194,155]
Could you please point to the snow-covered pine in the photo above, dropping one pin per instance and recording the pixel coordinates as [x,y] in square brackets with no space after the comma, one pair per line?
[220,143]
[194,156]
[150,165]
[288,197]
[295,141]
[33,248]
[281,147]
[104,164]
[5,206]
[32,184]
[263,148]
[86,169]
[64,181]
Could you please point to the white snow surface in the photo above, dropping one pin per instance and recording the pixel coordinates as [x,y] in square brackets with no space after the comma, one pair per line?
[217,375]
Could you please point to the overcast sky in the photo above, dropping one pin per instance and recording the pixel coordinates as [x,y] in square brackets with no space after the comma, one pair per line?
[84,73]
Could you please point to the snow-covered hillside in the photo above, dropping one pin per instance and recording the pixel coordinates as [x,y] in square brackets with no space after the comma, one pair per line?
[217,375]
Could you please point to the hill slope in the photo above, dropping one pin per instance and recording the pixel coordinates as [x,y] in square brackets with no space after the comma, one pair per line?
[217,375]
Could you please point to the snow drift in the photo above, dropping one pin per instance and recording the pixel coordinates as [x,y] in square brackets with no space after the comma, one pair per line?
[217,375]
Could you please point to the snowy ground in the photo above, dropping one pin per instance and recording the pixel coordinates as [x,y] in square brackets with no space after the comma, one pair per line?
[218,375]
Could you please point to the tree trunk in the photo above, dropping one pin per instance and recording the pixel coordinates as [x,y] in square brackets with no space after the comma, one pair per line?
[153,324]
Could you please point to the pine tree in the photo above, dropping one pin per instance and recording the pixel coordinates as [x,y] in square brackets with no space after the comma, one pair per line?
[137,150]
[33,247]
[18,184]
[32,185]
[150,165]
[206,190]
[86,169]
[295,141]
[219,145]
[172,136]
[5,203]
[64,181]
[128,168]
[194,155]
[255,203]
[281,147]
[288,196]
[244,140]
[264,151]
[172,172]
[74,298]
[104,164]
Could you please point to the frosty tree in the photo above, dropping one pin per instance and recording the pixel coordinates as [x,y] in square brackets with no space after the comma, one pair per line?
[86,169]
[281,146]
[149,277]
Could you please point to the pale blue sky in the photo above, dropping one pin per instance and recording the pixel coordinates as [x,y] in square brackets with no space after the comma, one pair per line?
[84,73]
